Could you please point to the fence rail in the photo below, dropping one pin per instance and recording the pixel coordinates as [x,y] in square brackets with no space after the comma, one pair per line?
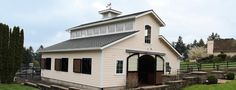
[207,66]
[29,73]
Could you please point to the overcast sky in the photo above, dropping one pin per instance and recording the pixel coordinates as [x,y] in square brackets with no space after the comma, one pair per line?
[45,21]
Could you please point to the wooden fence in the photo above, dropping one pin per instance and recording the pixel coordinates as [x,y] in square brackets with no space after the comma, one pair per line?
[207,66]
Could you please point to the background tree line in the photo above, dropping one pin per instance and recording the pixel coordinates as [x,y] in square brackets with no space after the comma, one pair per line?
[31,56]
[11,51]
[195,50]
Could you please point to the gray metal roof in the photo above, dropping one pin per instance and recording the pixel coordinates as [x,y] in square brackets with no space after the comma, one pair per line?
[87,43]
[114,18]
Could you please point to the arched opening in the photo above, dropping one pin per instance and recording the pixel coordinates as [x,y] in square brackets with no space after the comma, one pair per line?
[146,70]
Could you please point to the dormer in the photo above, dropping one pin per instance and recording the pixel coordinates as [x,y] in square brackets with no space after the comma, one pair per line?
[109,13]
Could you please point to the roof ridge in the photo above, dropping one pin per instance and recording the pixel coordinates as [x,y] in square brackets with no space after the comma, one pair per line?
[131,14]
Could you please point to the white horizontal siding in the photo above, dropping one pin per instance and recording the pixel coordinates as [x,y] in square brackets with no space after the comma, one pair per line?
[70,76]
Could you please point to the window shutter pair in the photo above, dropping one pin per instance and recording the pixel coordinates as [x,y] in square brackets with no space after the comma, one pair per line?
[57,64]
[82,65]
[77,66]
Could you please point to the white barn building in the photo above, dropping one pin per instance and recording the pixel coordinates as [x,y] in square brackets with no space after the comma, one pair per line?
[115,52]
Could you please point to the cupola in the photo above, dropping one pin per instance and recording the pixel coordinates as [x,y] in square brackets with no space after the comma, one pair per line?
[109,12]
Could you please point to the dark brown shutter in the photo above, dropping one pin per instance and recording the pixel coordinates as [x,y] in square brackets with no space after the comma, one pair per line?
[57,64]
[43,63]
[77,65]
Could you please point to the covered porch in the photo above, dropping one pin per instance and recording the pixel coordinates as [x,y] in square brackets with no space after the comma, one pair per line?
[144,68]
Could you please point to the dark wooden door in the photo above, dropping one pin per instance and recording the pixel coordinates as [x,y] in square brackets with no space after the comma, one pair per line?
[159,77]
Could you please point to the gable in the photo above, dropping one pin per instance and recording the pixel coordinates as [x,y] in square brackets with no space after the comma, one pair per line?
[154,16]
[167,44]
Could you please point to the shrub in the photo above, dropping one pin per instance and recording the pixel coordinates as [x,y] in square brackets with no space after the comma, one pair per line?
[212,80]
[36,63]
[233,58]
[230,76]
[222,55]
[216,59]
[206,59]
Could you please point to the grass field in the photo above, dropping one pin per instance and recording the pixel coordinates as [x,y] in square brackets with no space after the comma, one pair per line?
[231,85]
[15,87]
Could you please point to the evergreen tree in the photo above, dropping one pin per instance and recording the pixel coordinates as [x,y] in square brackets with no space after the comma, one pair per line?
[201,43]
[4,53]
[27,56]
[213,36]
[194,43]
[38,54]
[10,52]
[1,48]
[31,52]
[180,47]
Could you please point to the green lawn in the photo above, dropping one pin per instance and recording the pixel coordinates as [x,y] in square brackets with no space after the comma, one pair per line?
[231,85]
[15,87]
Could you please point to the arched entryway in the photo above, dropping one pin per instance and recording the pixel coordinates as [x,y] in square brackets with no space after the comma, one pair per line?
[146,70]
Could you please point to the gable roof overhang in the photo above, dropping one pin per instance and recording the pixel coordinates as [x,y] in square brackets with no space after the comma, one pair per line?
[166,42]
[120,18]
[155,16]
[71,50]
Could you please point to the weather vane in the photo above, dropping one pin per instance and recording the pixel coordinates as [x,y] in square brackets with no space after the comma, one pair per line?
[108,5]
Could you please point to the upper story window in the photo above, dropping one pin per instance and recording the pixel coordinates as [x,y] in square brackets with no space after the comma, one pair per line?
[147,34]
[111,28]
[90,32]
[84,33]
[78,33]
[73,34]
[118,27]
[103,30]
[96,31]
[128,26]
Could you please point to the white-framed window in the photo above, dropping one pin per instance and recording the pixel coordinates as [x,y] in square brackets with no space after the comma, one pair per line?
[73,34]
[84,33]
[128,26]
[119,27]
[119,66]
[90,32]
[103,30]
[111,28]
[78,33]
[147,34]
[96,31]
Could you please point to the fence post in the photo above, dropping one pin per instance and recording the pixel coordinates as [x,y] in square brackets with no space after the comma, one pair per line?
[200,66]
[188,69]
[214,65]
[227,64]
